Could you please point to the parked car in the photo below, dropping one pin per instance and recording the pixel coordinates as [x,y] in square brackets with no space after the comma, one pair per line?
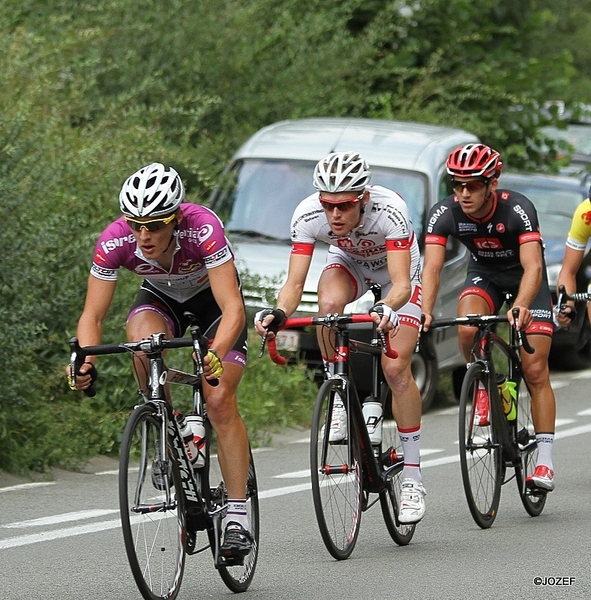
[576,137]
[556,198]
[272,172]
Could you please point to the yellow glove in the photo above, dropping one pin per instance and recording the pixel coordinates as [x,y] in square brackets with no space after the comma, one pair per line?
[215,364]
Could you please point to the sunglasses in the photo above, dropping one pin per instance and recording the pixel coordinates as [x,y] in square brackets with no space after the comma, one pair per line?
[340,206]
[472,186]
[151,225]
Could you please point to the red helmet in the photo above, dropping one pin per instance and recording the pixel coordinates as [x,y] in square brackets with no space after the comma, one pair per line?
[474,160]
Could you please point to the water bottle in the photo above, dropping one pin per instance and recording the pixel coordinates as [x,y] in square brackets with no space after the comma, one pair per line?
[188,437]
[508,396]
[372,414]
[198,430]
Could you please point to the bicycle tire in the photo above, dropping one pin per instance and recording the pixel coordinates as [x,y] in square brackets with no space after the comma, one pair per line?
[390,452]
[533,500]
[154,534]
[481,457]
[522,428]
[337,492]
[236,577]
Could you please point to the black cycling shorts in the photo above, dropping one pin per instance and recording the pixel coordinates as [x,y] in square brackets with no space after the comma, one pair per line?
[493,287]
[202,305]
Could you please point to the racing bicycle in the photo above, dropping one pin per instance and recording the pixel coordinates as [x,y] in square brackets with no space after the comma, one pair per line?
[350,476]
[168,508]
[505,448]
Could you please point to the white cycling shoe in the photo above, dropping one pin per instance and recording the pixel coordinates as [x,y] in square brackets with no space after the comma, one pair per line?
[412,501]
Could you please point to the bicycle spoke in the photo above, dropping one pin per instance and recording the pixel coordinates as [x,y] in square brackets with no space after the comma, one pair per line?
[152,517]
[336,477]
[238,577]
[480,455]
[533,500]
[391,453]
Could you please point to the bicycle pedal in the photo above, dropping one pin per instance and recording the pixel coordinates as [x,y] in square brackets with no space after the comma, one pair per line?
[534,490]
[191,542]
[230,561]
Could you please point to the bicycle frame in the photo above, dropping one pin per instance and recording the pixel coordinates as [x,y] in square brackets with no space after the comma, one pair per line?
[482,352]
[197,507]
[169,500]
[375,478]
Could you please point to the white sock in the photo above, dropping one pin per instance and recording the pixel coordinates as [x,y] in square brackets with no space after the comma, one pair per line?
[411,446]
[237,513]
[545,446]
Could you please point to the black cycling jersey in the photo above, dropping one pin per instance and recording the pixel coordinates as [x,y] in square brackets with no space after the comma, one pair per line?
[494,240]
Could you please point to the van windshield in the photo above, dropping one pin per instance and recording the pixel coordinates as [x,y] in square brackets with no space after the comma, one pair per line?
[259,196]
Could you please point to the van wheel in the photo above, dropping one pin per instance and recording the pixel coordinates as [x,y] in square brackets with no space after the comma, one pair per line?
[426,374]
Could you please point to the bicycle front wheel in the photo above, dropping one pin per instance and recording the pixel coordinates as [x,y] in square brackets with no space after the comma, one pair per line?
[391,454]
[336,473]
[152,519]
[481,457]
[533,500]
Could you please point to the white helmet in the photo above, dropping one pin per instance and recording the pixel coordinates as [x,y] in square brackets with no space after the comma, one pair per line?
[151,192]
[341,172]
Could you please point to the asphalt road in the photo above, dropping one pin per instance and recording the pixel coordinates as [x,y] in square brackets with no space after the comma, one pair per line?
[61,539]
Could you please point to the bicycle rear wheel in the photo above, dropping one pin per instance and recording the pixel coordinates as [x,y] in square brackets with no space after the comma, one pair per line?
[481,457]
[236,577]
[391,453]
[336,473]
[533,500]
[154,528]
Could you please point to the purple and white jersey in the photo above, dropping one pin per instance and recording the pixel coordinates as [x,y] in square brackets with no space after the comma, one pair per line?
[385,225]
[201,244]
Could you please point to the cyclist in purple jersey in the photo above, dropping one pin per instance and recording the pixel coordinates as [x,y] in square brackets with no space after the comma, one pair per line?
[181,252]
[500,228]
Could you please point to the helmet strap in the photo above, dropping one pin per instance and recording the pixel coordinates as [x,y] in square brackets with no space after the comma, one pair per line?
[172,236]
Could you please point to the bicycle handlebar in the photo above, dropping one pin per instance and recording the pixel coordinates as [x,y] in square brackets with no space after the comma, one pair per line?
[576,297]
[483,321]
[327,321]
[155,344]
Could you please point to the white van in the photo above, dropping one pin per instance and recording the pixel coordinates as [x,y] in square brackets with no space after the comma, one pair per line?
[272,172]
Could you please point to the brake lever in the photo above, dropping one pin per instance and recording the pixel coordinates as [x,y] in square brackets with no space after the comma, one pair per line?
[263,342]
[521,335]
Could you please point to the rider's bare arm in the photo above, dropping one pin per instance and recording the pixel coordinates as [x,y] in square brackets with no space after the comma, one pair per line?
[432,266]
[290,294]
[530,255]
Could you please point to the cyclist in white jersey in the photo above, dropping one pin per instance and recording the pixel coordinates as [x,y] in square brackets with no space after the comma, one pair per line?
[370,240]
[187,264]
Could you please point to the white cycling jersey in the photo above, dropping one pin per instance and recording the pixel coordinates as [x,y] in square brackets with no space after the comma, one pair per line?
[385,225]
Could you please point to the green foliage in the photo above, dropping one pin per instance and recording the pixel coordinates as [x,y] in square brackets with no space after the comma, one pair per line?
[272,398]
[91,91]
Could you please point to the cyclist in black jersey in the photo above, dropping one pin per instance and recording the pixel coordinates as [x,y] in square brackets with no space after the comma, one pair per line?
[501,230]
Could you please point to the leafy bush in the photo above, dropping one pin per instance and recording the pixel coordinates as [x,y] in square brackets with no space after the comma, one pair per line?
[92,91]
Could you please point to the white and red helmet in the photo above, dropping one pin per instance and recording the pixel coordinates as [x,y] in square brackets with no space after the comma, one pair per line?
[341,172]
[474,160]
[153,191]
